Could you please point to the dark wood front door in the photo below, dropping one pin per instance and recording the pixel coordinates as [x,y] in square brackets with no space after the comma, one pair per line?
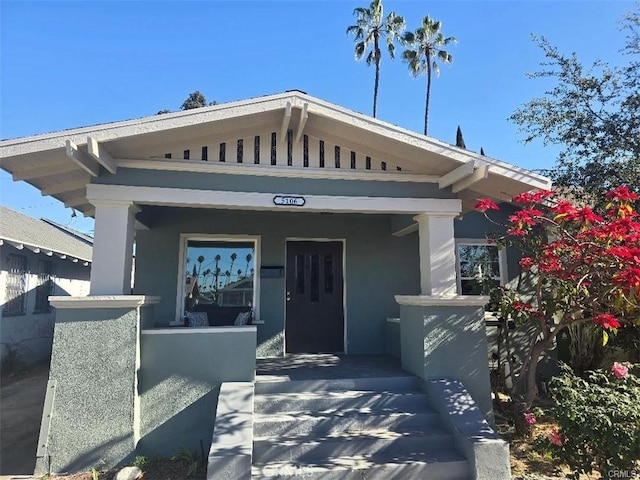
[314,295]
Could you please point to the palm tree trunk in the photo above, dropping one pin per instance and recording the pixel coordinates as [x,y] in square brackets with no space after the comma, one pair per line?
[426,106]
[376,51]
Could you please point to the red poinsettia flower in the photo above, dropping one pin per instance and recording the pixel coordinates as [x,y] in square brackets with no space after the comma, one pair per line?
[526,262]
[607,321]
[485,204]
[622,193]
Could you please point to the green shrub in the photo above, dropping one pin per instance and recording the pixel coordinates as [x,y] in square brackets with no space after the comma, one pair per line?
[598,421]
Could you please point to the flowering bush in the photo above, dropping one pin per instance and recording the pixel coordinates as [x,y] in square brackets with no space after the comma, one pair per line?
[598,421]
[584,267]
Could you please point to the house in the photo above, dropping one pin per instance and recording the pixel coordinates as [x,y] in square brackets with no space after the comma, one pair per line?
[354,236]
[38,258]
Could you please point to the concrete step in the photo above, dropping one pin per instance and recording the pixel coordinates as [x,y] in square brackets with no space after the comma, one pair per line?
[305,424]
[371,442]
[282,384]
[438,465]
[326,402]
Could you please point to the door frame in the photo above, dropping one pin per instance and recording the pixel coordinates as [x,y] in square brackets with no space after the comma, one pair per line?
[344,285]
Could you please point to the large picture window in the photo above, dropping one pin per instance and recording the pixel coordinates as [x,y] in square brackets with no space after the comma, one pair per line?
[481,267]
[219,279]
[16,289]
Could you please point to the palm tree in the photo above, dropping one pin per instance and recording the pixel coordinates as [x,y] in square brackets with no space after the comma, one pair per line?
[424,49]
[249,257]
[371,27]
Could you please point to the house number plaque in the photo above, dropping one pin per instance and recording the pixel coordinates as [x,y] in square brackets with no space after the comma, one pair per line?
[289,200]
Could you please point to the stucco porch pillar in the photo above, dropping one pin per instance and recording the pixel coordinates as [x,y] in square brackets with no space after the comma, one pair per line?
[437,253]
[113,248]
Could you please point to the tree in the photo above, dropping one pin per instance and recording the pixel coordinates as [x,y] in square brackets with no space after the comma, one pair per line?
[370,29]
[460,139]
[588,272]
[593,114]
[424,50]
[195,100]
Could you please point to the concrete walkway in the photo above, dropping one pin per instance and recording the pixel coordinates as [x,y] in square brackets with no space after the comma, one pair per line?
[21,403]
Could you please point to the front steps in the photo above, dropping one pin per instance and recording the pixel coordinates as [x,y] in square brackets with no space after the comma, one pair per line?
[365,428]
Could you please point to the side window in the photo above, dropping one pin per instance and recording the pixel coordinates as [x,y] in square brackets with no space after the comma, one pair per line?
[16,289]
[480,267]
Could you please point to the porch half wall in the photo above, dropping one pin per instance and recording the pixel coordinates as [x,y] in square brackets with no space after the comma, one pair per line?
[378,265]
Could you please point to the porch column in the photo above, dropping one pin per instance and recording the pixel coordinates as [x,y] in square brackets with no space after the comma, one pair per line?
[113,248]
[437,253]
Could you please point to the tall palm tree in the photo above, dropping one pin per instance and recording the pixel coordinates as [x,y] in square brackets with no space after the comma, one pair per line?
[424,50]
[370,29]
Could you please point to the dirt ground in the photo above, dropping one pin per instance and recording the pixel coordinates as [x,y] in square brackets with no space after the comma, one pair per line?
[21,402]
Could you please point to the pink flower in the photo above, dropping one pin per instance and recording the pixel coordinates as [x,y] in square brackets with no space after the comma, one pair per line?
[530,418]
[555,438]
[619,370]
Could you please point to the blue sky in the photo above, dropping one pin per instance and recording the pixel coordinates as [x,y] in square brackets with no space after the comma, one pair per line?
[78,63]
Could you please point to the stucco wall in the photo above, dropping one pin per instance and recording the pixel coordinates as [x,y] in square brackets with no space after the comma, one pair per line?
[378,265]
[179,381]
[31,334]
[447,342]
[94,367]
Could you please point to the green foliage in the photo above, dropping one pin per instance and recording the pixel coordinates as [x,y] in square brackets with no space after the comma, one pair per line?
[140,461]
[460,139]
[593,114]
[599,422]
[190,458]
[195,100]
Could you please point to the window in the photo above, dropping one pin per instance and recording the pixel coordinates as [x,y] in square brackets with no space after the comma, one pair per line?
[45,286]
[219,276]
[16,290]
[481,266]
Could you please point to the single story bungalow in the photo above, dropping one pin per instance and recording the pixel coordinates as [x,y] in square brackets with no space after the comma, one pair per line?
[307,228]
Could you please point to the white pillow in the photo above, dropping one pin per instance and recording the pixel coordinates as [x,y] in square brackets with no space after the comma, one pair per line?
[197,319]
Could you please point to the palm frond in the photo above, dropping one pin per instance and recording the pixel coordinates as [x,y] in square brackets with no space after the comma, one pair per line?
[359,51]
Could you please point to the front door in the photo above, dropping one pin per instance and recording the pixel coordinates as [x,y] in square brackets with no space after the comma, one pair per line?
[314,294]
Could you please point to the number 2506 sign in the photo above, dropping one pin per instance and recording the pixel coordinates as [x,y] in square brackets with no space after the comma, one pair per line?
[289,200]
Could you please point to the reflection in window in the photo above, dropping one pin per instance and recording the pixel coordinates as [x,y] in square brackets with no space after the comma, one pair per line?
[219,274]
[479,267]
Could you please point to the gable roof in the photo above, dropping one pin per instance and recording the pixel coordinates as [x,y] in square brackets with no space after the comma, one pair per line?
[43,236]
[62,163]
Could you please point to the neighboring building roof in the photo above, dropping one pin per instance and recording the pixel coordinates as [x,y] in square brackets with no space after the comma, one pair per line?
[62,163]
[43,236]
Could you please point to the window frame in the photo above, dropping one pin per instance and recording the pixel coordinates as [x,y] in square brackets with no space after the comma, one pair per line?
[482,242]
[182,268]
[25,287]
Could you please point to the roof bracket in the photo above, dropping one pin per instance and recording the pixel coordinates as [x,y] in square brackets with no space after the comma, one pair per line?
[101,155]
[304,116]
[478,174]
[83,160]
[286,119]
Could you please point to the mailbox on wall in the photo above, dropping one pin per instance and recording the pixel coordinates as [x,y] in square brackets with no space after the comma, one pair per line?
[272,272]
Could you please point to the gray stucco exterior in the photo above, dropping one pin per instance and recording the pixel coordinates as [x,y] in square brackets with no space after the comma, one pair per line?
[447,342]
[180,377]
[94,368]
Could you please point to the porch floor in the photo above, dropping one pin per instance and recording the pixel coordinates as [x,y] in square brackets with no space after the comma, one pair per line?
[328,366]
